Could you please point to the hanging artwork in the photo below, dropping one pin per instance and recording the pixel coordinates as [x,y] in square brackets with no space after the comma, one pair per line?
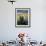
[22,17]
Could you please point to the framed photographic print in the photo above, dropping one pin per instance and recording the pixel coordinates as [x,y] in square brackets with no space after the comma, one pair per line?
[22,17]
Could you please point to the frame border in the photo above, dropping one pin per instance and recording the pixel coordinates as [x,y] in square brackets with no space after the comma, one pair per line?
[29,18]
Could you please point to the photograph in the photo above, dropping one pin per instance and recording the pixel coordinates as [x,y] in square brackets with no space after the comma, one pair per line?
[22,16]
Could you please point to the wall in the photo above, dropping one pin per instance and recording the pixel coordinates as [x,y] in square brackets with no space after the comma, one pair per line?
[8,31]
